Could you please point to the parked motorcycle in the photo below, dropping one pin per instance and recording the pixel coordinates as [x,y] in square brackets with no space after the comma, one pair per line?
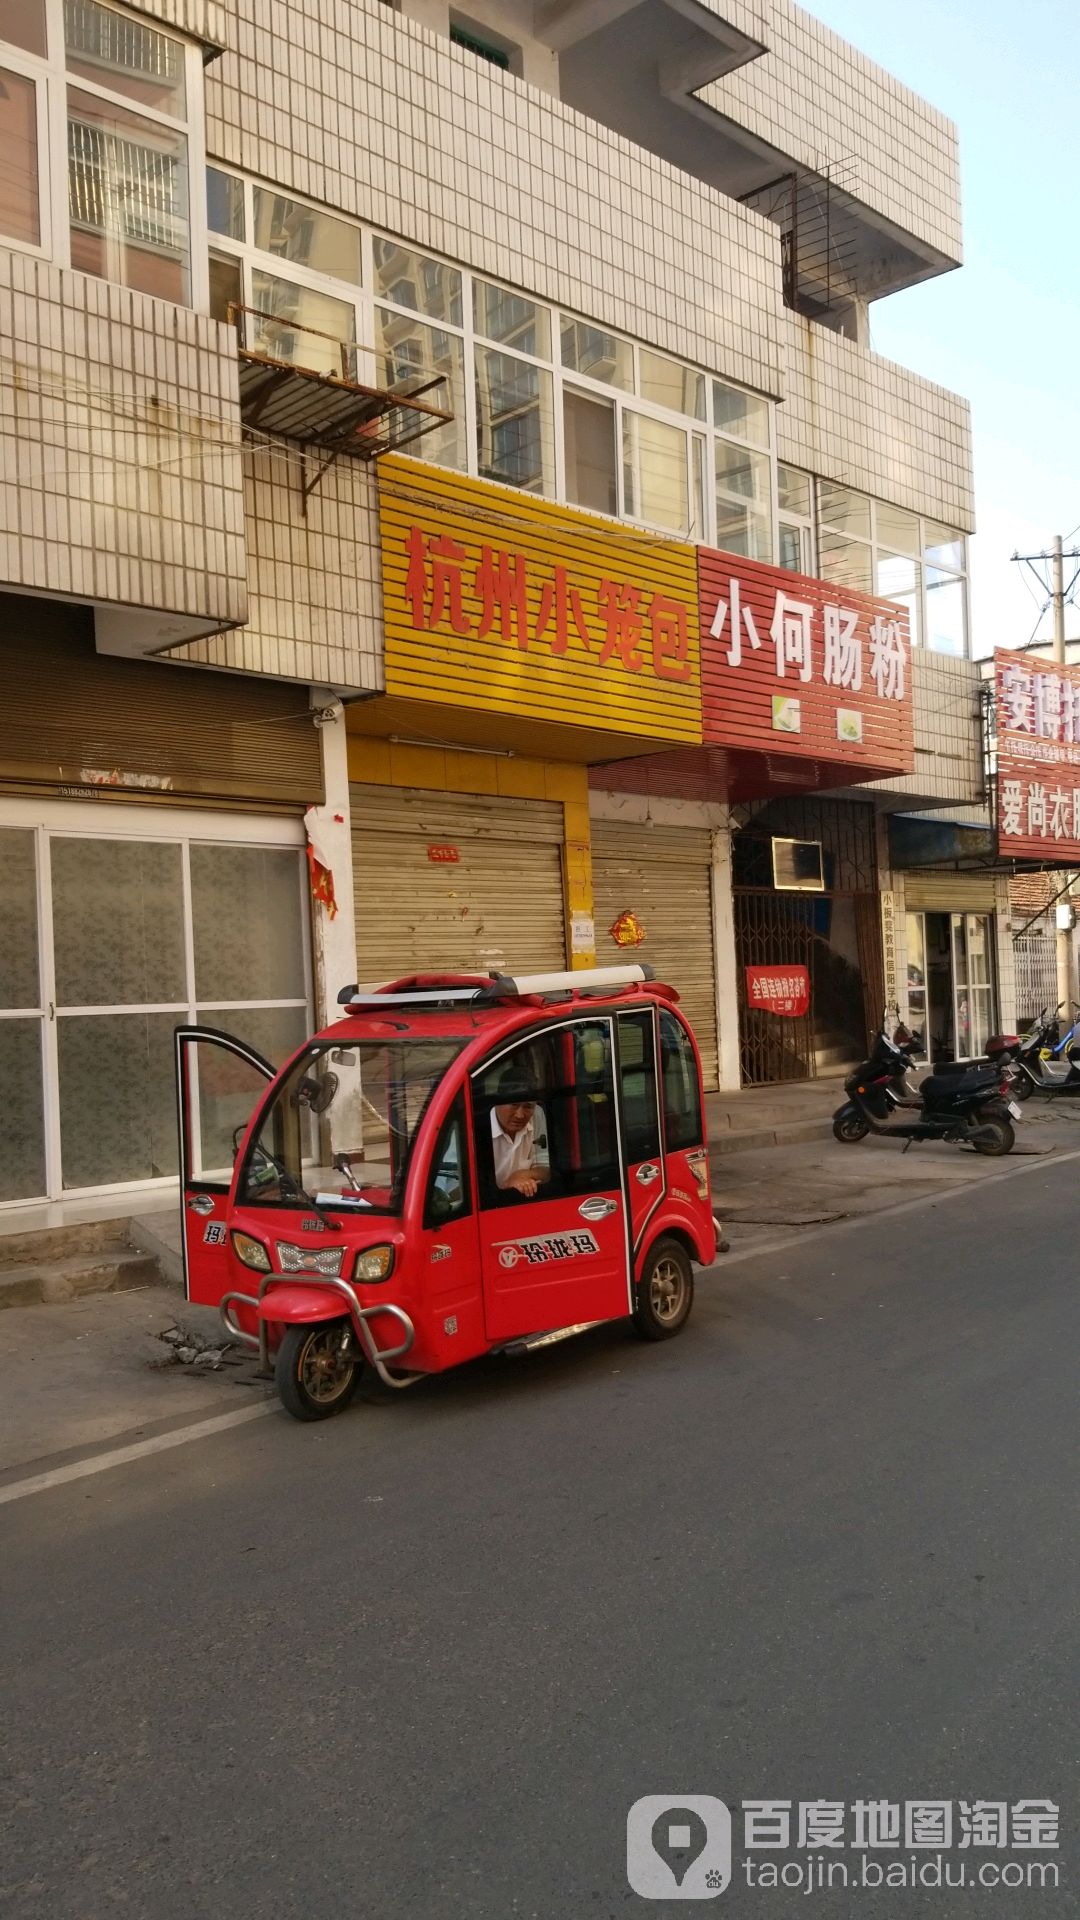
[1045,1064]
[968,1103]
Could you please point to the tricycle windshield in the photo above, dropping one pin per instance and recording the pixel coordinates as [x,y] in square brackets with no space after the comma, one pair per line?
[340,1128]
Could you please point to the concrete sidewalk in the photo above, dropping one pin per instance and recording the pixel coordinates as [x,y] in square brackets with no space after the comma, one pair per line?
[771,1116]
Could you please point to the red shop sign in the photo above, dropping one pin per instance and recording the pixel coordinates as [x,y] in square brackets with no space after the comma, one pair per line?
[1038,759]
[784,990]
[448,856]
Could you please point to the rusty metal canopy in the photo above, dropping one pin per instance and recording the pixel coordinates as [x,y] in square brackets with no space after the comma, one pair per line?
[330,411]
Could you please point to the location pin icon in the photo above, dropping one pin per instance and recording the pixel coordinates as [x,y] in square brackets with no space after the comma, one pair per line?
[679,1836]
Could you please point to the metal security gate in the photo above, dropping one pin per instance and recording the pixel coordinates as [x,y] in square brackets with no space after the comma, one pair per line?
[835,935]
[1035,961]
[664,876]
[467,882]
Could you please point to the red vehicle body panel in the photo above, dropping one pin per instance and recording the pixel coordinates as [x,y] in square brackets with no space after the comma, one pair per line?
[498,1272]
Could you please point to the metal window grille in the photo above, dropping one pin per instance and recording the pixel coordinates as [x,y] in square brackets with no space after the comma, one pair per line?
[116,185]
[95,33]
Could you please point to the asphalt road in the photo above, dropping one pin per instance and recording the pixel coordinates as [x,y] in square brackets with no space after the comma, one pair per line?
[419,1661]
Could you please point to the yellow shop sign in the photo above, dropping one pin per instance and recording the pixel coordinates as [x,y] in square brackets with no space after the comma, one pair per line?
[499,602]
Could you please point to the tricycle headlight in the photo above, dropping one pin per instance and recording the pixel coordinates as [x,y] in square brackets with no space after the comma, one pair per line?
[251,1252]
[374,1263]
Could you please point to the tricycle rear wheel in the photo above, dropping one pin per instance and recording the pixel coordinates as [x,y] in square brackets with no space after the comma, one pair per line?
[317,1369]
[666,1293]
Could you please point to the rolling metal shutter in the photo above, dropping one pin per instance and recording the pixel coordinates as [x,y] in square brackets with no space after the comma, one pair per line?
[75,721]
[664,875]
[498,907]
[949,892]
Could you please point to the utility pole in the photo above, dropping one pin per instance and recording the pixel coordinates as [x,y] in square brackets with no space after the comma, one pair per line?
[1065,984]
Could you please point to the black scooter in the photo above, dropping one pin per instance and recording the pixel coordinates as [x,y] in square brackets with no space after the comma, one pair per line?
[966,1104]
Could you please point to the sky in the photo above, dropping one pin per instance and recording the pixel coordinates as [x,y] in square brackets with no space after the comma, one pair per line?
[1003,329]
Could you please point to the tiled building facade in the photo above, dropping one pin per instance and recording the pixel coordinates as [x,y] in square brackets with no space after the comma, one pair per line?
[569,220]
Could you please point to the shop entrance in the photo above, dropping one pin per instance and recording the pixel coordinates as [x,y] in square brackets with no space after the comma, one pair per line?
[835,935]
[952,1002]
[117,924]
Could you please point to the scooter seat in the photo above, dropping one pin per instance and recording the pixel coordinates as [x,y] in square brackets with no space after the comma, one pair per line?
[946,1086]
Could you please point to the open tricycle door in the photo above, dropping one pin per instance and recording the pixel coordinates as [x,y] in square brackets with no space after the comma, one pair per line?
[219,1081]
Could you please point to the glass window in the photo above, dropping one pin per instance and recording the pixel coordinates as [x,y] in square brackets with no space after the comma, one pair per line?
[296,323]
[448,1188]
[898,529]
[409,352]
[20,215]
[637,1080]
[511,319]
[22,1163]
[793,491]
[306,236]
[600,355]
[226,284]
[128,198]
[669,384]
[743,501]
[515,422]
[944,612]
[745,414]
[344,1122]
[412,280]
[545,1117]
[679,1076]
[843,510]
[22,24]
[790,548]
[18,921]
[224,203]
[900,579]
[117,1097]
[483,49]
[916,977]
[248,923]
[118,923]
[655,482]
[125,55]
[944,547]
[847,563]
[589,449]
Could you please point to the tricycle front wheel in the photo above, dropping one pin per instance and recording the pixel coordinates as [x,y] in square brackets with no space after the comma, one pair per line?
[666,1293]
[317,1369]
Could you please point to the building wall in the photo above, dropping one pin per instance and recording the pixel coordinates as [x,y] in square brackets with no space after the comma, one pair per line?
[948,734]
[824,103]
[119,447]
[849,415]
[373,116]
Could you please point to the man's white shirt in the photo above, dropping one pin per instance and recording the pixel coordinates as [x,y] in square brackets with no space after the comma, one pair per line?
[515,1152]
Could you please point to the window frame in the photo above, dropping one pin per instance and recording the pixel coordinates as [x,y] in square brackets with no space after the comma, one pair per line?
[53,79]
[880,550]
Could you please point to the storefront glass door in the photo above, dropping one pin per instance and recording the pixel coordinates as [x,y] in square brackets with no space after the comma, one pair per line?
[973,987]
[950,974]
[108,940]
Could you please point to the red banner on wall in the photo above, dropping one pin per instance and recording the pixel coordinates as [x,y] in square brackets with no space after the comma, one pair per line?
[1038,759]
[784,990]
[803,669]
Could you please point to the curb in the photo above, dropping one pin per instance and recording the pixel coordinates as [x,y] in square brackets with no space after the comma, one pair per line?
[791,1134]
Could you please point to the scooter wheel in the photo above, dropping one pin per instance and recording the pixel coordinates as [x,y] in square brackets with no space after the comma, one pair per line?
[849,1126]
[314,1375]
[1021,1088]
[998,1137]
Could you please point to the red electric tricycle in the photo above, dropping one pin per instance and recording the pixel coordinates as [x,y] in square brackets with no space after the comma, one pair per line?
[460,1164]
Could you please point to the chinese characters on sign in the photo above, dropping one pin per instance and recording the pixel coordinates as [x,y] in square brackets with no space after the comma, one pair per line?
[1038,758]
[627,930]
[803,668]
[793,633]
[525,604]
[783,990]
[888,946]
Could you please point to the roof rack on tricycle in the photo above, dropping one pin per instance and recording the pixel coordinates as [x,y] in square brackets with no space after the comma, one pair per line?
[461,1163]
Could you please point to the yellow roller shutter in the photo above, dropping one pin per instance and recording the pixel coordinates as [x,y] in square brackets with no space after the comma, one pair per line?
[497,906]
[664,876]
[949,892]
